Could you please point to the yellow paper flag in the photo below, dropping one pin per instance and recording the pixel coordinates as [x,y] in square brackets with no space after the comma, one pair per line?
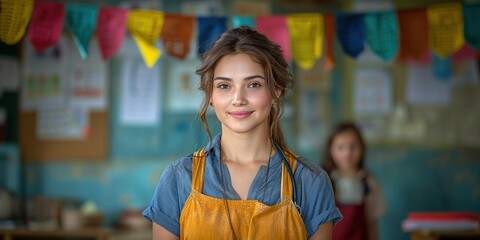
[149,52]
[146,26]
[445,28]
[306,34]
[14,18]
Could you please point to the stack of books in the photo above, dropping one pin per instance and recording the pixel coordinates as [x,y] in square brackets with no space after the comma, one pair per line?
[441,221]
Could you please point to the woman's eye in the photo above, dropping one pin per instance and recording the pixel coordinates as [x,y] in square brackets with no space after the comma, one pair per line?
[222,86]
[254,85]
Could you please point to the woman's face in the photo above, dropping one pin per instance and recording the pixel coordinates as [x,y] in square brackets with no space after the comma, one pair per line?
[240,95]
[346,151]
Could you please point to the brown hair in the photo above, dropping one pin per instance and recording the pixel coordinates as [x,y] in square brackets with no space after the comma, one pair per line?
[263,51]
[328,164]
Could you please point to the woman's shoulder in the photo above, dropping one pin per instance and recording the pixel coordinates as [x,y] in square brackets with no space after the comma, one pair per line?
[181,165]
[307,169]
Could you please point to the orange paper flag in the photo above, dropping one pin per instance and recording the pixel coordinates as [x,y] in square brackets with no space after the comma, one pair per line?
[329,21]
[413,33]
[177,34]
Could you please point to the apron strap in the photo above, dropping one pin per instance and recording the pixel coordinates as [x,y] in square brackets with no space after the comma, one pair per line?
[198,168]
[287,190]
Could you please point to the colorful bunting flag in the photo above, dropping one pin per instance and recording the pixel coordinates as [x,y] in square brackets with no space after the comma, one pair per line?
[275,28]
[146,26]
[445,25]
[81,20]
[471,19]
[381,32]
[442,67]
[413,34]
[329,21]
[464,54]
[46,24]
[177,34]
[238,21]
[306,35]
[111,30]
[14,18]
[351,33]
[209,29]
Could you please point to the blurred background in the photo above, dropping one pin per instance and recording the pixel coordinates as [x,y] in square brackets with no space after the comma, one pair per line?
[87,129]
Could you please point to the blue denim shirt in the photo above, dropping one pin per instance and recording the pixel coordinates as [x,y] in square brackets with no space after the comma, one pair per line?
[314,190]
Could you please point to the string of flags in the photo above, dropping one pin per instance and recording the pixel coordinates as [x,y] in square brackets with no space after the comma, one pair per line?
[446,29]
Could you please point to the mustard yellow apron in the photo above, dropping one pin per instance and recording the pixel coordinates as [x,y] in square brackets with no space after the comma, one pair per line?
[205,217]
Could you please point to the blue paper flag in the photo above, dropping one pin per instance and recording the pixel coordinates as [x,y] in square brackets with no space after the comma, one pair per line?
[442,68]
[381,33]
[471,19]
[82,20]
[209,29]
[351,33]
[238,21]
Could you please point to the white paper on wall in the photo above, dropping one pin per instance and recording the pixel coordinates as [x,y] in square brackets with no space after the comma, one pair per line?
[372,92]
[424,89]
[140,93]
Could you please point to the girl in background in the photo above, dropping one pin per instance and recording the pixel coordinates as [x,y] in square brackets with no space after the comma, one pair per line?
[357,193]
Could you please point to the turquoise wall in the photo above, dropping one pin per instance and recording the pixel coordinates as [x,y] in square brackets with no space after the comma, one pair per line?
[422,179]
[413,178]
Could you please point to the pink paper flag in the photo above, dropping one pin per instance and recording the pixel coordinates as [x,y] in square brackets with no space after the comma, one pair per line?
[111,27]
[46,24]
[275,28]
[465,53]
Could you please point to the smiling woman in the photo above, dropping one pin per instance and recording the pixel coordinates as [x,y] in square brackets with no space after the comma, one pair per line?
[245,184]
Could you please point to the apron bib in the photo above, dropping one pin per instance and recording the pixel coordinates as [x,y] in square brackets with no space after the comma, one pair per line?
[205,217]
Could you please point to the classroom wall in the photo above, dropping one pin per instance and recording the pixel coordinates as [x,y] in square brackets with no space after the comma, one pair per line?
[414,178]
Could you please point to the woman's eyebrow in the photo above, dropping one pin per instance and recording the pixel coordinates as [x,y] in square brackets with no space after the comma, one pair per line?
[247,78]
[254,76]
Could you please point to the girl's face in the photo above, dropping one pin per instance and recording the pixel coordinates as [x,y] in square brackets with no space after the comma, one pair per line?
[346,151]
[240,95]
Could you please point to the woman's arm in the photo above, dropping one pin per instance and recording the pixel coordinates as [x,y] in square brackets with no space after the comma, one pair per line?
[160,233]
[324,232]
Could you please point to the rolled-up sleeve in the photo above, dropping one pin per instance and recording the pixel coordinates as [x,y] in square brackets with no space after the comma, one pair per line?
[164,208]
[319,203]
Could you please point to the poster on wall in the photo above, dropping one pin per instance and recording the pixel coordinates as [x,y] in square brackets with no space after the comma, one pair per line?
[140,93]
[88,78]
[424,89]
[183,94]
[372,92]
[312,120]
[66,122]
[8,74]
[43,77]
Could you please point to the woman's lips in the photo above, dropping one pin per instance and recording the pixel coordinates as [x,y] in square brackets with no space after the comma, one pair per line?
[241,114]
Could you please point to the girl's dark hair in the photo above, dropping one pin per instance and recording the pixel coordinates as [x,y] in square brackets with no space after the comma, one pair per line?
[328,164]
[264,52]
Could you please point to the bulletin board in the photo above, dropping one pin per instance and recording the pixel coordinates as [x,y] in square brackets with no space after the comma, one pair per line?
[92,148]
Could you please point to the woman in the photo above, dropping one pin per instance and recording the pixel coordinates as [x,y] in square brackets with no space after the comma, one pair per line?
[245,184]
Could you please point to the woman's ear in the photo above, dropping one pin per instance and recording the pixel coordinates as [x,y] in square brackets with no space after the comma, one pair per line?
[278,93]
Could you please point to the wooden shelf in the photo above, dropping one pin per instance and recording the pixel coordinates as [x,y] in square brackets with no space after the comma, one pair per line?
[97,234]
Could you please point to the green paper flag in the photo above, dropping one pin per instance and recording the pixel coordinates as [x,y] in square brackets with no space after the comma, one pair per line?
[381,33]
[82,21]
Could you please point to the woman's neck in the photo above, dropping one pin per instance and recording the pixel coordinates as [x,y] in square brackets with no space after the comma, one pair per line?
[245,148]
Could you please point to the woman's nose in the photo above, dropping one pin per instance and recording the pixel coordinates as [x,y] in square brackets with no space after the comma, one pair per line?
[239,98]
